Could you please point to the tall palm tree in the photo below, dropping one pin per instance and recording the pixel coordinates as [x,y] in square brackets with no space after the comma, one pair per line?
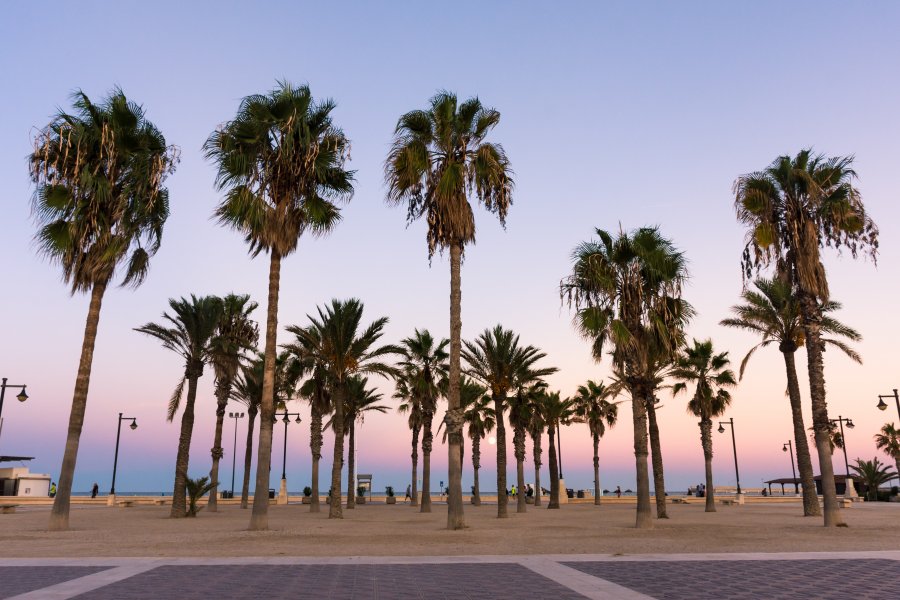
[593,408]
[281,165]
[709,373]
[188,332]
[479,418]
[425,368]
[555,411]
[874,473]
[411,405]
[439,158]
[772,311]
[792,209]
[100,205]
[345,350]
[888,441]
[235,335]
[627,292]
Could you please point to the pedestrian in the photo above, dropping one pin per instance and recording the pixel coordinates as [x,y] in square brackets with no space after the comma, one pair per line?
[408,493]
[53,489]
[95,490]
[618,492]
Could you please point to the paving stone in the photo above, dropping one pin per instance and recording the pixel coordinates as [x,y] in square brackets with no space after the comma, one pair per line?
[19,580]
[825,579]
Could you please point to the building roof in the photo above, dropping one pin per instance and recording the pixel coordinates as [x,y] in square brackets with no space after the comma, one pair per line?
[816,478]
[15,458]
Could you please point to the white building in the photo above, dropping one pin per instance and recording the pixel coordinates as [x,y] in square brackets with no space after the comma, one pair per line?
[18,481]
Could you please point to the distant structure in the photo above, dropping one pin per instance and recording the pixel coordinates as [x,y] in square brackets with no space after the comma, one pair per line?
[18,481]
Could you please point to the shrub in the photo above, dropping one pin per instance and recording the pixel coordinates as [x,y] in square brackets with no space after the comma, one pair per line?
[307,491]
[196,489]
[389,490]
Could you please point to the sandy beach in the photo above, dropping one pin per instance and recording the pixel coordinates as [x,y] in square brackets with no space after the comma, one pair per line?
[398,530]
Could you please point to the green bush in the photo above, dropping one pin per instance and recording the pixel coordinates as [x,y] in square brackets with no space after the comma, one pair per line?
[196,489]
[389,490]
[307,491]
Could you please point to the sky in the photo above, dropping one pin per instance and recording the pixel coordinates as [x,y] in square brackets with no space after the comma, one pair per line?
[614,115]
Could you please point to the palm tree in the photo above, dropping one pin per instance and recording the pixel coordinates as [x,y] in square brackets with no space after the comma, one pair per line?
[188,332]
[479,418]
[627,292]
[709,372]
[100,204]
[248,391]
[235,335]
[592,407]
[281,165]
[410,403]
[555,412]
[344,350]
[874,473]
[888,441]
[536,428]
[528,385]
[792,209]
[439,158]
[425,368]
[772,311]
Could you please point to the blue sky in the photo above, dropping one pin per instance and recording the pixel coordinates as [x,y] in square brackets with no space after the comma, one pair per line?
[613,114]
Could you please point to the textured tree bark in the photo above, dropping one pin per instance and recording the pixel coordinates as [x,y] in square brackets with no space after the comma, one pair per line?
[502,499]
[223,391]
[554,469]
[315,448]
[476,465]
[596,440]
[248,458]
[643,517]
[455,514]
[427,446]
[335,511]
[179,502]
[414,493]
[706,443]
[659,479]
[59,514]
[812,320]
[259,519]
[536,451]
[351,466]
[519,445]
[801,445]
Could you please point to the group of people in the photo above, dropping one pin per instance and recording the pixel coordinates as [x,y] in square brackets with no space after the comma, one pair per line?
[514,491]
[699,490]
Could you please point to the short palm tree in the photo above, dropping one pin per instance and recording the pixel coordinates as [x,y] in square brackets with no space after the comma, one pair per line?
[281,165]
[236,334]
[593,408]
[100,204]
[479,417]
[188,331]
[439,158]
[772,312]
[536,428]
[888,441]
[627,293]
[792,209]
[345,350]
[528,383]
[248,391]
[424,366]
[874,473]
[411,405]
[708,372]
[555,412]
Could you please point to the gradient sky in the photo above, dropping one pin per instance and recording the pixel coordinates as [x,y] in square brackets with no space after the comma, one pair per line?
[613,114]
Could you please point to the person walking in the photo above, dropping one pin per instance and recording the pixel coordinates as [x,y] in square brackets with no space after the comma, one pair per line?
[408,493]
[52,489]
[95,490]
[618,492]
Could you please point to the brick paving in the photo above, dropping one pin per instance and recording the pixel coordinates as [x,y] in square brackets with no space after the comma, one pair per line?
[826,579]
[19,580]
[339,582]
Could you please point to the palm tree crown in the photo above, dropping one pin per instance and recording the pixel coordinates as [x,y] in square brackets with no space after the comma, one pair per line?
[701,366]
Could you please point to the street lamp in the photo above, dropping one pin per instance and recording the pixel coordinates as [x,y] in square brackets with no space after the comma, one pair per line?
[788,446]
[850,425]
[737,475]
[286,419]
[21,396]
[112,489]
[882,405]
[234,416]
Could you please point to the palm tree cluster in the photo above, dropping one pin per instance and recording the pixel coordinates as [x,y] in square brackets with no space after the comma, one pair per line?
[281,166]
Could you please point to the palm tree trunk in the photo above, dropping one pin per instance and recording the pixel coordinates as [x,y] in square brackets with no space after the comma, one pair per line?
[643,517]
[476,464]
[519,445]
[427,445]
[536,451]
[351,466]
[59,514]
[596,440]
[335,511]
[801,445]
[706,442]
[812,319]
[315,448]
[222,392]
[248,458]
[659,479]
[179,504]
[554,469]
[414,494]
[502,498]
[455,516]
[259,520]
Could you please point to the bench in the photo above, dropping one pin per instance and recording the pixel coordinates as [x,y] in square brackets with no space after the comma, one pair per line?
[7,509]
[160,502]
[846,502]
[728,501]
[126,503]
[680,501]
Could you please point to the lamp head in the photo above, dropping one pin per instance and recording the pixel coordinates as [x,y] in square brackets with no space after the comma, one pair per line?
[882,405]
[721,428]
[133,424]
[297,420]
[22,396]
[784,448]
[285,419]
[850,424]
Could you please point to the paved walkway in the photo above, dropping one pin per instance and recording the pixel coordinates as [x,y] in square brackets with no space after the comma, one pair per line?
[859,575]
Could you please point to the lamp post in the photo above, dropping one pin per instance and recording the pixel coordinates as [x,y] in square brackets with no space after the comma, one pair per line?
[21,396]
[849,488]
[737,475]
[112,490]
[789,446]
[234,416]
[286,418]
[882,405]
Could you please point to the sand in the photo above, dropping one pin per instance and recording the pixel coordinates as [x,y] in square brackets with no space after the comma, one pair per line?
[398,530]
